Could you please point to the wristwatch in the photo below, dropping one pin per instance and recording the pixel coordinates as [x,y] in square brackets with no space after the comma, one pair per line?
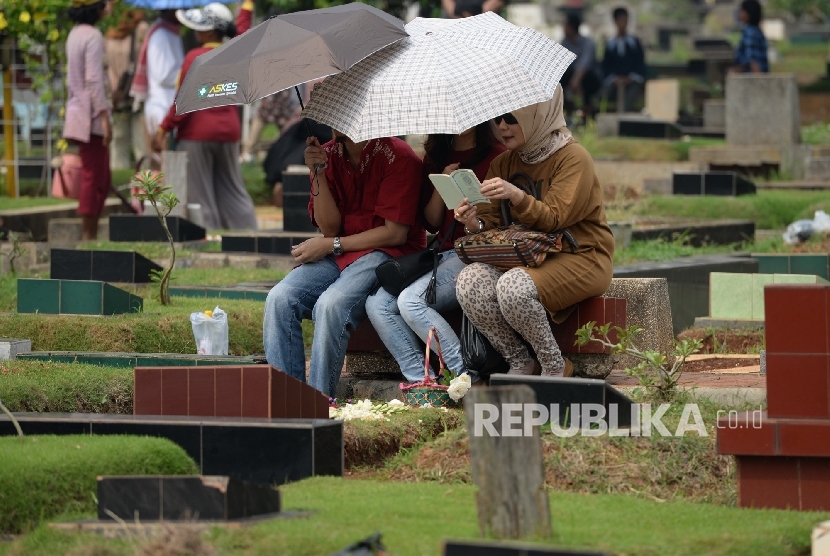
[480,227]
[338,249]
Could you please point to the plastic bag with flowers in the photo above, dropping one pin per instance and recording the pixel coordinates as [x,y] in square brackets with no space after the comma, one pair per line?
[431,393]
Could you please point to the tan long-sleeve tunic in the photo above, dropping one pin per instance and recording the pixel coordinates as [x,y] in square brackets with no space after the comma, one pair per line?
[572,199]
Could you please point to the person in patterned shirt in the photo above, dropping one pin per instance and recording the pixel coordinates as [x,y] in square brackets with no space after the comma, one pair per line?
[751,54]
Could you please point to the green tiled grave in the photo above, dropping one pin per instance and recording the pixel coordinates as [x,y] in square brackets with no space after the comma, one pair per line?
[130,360]
[801,263]
[38,296]
[741,296]
[730,295]
[74,297]
[223,293]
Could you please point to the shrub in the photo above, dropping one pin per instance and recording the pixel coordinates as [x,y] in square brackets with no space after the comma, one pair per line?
[65,387]
[45,476]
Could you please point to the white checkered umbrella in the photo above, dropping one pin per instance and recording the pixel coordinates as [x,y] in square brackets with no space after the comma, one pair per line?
[448,76]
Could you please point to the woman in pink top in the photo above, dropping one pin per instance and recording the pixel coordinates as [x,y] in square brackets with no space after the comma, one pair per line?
[88,111]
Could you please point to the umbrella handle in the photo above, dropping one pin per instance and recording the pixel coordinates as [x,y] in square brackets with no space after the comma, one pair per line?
[308,126]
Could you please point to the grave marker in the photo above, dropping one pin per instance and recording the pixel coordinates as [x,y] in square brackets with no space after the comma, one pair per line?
[728,184]
[75,297]
[508,470]
[146,227]
[226,391]
[783,453]
[104,266]
[663,99]
[183,498]
[262,451]
[762,109]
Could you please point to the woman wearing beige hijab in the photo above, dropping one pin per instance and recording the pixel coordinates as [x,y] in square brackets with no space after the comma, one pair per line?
[514,305]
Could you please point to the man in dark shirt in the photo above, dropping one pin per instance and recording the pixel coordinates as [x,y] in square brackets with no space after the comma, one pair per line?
[365,203]
[624,64]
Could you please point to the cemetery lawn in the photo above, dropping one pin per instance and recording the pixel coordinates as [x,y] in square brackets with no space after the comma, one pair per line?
[24,202]
[771,210]
[415,518]
[45,476]
[158,329]
[44,386]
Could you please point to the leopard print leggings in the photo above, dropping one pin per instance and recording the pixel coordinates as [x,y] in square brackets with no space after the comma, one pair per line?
[501,305]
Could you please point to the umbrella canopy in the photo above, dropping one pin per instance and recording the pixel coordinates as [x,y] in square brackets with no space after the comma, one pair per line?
[285,51]
[173,4]
[447,77]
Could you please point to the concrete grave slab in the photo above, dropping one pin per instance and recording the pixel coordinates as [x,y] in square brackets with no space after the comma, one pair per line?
[663,99]
[762,109]
[10,348]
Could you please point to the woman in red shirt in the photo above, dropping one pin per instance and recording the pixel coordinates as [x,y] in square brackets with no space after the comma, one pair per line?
[211,137]
[401,322]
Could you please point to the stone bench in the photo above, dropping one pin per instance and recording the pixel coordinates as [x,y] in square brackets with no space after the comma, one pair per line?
[372,372]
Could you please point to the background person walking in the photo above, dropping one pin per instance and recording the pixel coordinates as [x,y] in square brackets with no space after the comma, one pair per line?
[211,137]
[88,110]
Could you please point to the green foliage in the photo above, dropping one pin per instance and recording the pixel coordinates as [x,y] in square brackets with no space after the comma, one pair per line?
[42,386]
[816,134]
[45,476]
[40,28]
[819,10]
[163,201]
[656,371]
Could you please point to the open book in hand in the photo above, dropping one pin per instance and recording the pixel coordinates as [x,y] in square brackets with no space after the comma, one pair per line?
[461,184]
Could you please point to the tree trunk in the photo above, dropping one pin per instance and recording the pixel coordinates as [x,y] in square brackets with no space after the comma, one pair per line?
[508,470]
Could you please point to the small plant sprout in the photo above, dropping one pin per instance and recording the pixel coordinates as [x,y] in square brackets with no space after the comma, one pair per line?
[654,371]
[151,189]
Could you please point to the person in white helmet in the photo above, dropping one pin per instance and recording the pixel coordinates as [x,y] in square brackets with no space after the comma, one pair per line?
[210,137]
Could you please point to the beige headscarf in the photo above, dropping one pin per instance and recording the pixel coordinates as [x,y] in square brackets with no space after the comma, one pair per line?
[543,125]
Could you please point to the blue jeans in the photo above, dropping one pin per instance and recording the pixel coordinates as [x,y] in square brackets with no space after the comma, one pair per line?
[334,300]
[401,322]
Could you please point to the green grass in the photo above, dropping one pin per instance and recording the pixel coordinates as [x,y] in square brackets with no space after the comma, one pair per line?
[653,467]
[658,250]
[415,518]
[65,387]
[769,210]
[23,202]
[802,59]
[45,476]
[158,329]
[816,134]
[639,150]
[254,177]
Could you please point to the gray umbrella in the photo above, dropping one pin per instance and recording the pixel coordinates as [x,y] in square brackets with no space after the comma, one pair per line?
[286,51]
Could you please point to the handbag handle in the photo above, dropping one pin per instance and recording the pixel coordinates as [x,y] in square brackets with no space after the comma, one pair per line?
[433,334]
[527,184]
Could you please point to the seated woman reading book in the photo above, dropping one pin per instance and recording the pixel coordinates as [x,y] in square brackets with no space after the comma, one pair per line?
[508,307]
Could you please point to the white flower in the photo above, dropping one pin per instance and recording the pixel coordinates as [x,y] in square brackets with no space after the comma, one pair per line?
[395,403]
[459,386]
[427,404]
